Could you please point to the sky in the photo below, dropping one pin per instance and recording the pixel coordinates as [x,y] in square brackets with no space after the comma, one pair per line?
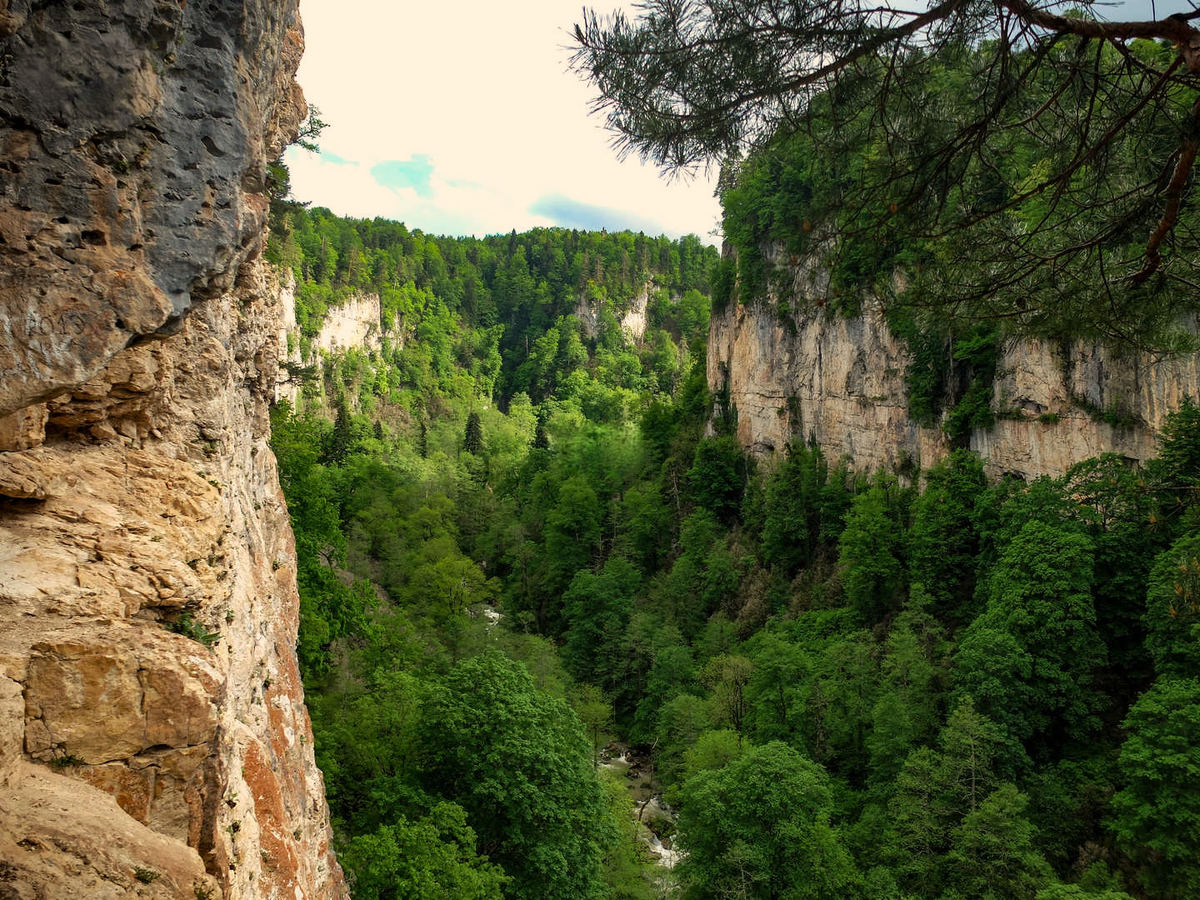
[461,117]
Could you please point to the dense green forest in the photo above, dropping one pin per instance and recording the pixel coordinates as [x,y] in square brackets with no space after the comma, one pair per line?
[512,293]
[518,542]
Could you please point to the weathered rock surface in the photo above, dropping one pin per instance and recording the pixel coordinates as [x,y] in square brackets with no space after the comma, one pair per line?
[632,321]
[355,323]
[135,137]
[842,381]
[154,498]
[153,735]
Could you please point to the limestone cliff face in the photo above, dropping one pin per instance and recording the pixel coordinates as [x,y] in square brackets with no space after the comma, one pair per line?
[632,321]
[355,323]
[153,736]
[842,381]
[135,136]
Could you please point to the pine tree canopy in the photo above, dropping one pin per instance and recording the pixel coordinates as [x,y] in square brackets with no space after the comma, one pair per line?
[1028,162]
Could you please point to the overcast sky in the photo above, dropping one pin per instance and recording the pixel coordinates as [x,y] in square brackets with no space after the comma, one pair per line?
[461,117]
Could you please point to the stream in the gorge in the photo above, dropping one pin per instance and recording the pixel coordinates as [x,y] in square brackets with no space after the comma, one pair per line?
[652,815]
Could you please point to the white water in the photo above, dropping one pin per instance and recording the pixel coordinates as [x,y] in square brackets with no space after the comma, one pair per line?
[666,857]
[617,761]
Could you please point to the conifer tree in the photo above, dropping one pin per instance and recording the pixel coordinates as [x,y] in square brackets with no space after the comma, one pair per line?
[908,116]
[338,443]
[473,436]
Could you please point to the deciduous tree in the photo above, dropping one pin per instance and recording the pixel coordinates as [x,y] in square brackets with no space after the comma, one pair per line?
[759,828]
[516,760]
[1157,814]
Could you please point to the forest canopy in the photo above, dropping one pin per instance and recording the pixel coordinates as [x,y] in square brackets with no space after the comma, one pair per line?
[521,537]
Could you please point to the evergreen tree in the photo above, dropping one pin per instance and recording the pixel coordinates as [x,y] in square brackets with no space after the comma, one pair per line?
[868,553]
[791,524]
[917,830]
[1030,658]
[943,543]
[1179,455]
[473,435]
[422,440]
[341,437]
[1172,613]
[992,854]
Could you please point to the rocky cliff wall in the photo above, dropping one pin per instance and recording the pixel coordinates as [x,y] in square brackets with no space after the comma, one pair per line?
[842,381]
[135,138]
[153,737]
[632,321]
[355,323]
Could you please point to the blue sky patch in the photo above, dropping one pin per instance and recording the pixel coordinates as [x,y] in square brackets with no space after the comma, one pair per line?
[334,159]
[416,173]
[568,213]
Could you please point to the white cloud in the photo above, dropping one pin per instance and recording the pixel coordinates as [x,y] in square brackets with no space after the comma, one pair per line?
[481,91]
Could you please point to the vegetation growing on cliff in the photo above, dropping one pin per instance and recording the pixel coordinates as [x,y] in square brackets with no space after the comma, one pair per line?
[969,184]
[960,692]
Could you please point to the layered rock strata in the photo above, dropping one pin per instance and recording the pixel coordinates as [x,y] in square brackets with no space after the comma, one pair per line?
[153,736]
[841,381]
[148,601]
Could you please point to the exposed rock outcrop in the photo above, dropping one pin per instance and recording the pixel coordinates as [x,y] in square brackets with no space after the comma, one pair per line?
[135,141]
[153,736]
[841,380]
[154,505]
[355,323]
[632,321]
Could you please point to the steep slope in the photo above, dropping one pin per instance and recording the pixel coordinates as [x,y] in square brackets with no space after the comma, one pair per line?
[153,737]
[841,380]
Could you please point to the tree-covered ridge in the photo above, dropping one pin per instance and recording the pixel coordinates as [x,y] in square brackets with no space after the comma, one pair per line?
[901,685]
[898,208]
[900,211]
[508,291]
[835,209]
